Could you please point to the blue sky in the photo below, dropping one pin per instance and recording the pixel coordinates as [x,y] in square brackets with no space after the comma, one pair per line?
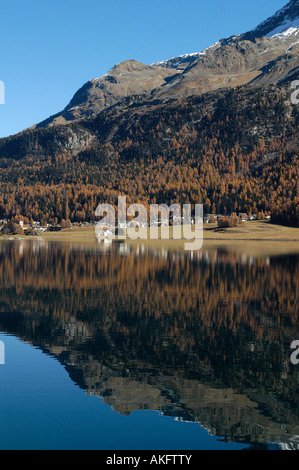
[49,49]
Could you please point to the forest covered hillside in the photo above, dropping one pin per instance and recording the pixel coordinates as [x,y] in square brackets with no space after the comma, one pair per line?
[218,128]
[232,150]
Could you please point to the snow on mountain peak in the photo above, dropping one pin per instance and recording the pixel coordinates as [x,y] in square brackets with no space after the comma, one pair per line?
[283,21]
[182,59]
[286,29]
[284,24]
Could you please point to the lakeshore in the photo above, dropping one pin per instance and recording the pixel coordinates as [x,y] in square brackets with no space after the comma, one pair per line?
[259,237]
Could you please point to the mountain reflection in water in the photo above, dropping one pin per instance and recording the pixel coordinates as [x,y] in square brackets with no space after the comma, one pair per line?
[202,337]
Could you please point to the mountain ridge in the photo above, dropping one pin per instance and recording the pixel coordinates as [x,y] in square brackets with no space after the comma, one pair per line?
[284,19]
[222,130]
[234,61]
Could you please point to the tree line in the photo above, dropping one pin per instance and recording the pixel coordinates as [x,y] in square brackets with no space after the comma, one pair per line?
[232,152]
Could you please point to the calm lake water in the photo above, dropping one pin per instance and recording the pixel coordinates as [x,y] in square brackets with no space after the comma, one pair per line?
[110,347]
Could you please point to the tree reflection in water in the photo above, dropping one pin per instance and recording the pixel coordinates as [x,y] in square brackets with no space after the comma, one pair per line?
[202,337]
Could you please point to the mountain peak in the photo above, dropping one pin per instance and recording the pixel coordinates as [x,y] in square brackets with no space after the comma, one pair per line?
[284,20]
[266,55]
[125,79]
[130,65]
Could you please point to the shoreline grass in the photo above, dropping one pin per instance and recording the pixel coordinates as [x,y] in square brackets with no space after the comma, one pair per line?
[258,236]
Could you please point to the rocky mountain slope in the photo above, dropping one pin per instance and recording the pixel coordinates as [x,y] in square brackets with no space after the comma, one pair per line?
[235,62]
[280,23]
[126,79]
[267,55]
[216,127]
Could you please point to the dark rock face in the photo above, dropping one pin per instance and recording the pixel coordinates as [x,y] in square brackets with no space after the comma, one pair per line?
[285,18]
